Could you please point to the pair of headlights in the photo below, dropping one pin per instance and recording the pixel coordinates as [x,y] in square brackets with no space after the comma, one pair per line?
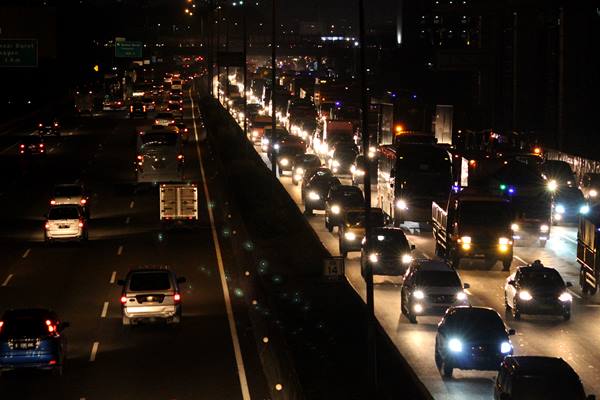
[455,345]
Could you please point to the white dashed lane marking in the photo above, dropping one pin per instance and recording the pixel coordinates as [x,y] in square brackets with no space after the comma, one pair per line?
[8,278]
[94,351]
[26,253]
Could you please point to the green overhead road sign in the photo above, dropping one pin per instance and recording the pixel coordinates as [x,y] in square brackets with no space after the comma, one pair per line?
[18,53]
[128,49]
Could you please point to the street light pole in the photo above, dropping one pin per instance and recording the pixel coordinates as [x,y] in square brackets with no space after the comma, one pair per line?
[273,79]
[245,51]
[371,345]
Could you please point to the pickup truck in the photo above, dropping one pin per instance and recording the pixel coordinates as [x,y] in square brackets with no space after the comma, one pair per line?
[178,202]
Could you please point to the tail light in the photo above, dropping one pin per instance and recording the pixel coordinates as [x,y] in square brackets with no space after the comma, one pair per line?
[180,157]
[139,157]
[1,325]
[144,108]
[22,146]
[41,145]
[185,130]
[123,299]
[173,121]
[177,297]
[180,109]
[51,327]
[83,201]
[52,202]
[80,223]
[40,125]
[56,124]
[131,108]
[47,226]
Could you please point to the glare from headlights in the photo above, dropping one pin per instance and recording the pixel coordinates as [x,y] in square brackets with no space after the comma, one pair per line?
[350,236]
[515,227]
[552,185]
[284,162]
[418,294]
[525,295]
[401,205]
[565,297]
[455,345]
[505,347]
[466,239]
[360,172]
[584,209]
[299,171]
[353,168]
[335,209]
[593,193]
[276,146]
[335,163]
[503,240]
[560,209]
[461,296]
[373,257]
[418,308]
[406,259]
[544,228]
[313,196]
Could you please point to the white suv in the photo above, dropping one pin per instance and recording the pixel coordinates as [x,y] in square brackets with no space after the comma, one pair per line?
[65,222]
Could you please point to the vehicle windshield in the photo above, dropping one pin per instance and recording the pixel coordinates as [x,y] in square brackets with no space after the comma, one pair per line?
[547,387]
[389,241]
[63,213]
[569,196]
[357,219]
[475,324]
[32,139]
[544,277]
[67,191]
[558,170]
[23,327]
[344,155]
[438,279]
[159,139]
[479,213]
[349,198]
[149,281]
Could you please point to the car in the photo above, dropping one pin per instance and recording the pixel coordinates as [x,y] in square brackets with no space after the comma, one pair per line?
[65,222]
[389,252]
[315,188]
[304,165]
[590,186]
[183,130]
[49,127]
[352,229]
[339,199]
[71,193]
[149,102]
[430,287]
[286,150]
[270,142]
[113,104]
[175,99]
[357,169]
[137,109]
[538,378]
[568,204]
[537,290]
[176,84]
[176,109]
[164,119]
[471,338]
[342,160]
[151,294]
[32,145]
[558,174]
[32,339]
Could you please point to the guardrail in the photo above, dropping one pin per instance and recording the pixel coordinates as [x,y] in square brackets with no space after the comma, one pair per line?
[579,165]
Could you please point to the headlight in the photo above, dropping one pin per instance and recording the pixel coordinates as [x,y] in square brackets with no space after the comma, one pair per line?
[313,196]
[564,297]
[401,205]
[505,347]
[255,134]
[406,259]
[335,163]
[418,294]
[276,146]
[335,209]
[353,168]
[461,296]
[373,257]
[593,193]
[350,236]
[560,209]
[466,239]
[264,141]
[544,228]
[503,240]
[525,295]
[418,308]
[360,172]
[455,345]
[515,227]
[299,171]
[552,185]
[284,162]
[584,209]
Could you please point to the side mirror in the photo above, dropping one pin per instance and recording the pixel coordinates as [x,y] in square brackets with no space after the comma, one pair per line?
[569,284]
[181,279]
[121,282]
[466,286]
[412,247]
[511,332]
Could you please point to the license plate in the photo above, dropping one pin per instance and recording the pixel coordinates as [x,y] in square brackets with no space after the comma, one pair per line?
[25,345]
[151,298]
[63,227]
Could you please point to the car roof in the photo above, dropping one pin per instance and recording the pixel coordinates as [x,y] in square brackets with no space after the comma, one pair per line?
[68,185]
[473,310]
[150,269]
[539,364]
[433,265]
[530,268]
[29,312]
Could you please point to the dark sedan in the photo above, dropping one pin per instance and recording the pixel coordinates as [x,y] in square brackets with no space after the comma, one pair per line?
[315,189]
[339,199]
[304,165]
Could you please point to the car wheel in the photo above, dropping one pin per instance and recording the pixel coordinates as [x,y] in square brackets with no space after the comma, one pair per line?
[567,315]
[506,265]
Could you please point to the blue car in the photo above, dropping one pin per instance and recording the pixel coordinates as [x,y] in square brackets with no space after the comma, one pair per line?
[32,338]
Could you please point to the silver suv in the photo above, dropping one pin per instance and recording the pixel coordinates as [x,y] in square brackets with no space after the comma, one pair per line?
[430,288]
[151,294]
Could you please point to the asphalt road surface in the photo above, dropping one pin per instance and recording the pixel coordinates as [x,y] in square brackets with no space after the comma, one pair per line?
[196,360]
[577,341]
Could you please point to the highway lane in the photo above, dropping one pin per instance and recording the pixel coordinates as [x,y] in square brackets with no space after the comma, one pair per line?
[106,361]
[576,341]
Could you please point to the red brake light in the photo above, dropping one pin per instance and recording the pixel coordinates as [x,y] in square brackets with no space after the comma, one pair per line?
[180,157]
[177,297]
[22,146]
[80,223]
[131,108]
[41,144]
[47,226]
[83,201]
[52,362]
[123,299]
[139,157]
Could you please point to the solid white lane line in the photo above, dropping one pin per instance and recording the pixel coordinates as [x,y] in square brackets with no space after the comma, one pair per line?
[112,277]
[8,278]
[574,294]
[127,220]
[104,310]
[131,204]
[120,250]
[232,328]
[26,253]
[94,351]
[520,259]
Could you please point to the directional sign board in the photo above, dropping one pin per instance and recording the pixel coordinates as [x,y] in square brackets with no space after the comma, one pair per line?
[127,49]
[18,53]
